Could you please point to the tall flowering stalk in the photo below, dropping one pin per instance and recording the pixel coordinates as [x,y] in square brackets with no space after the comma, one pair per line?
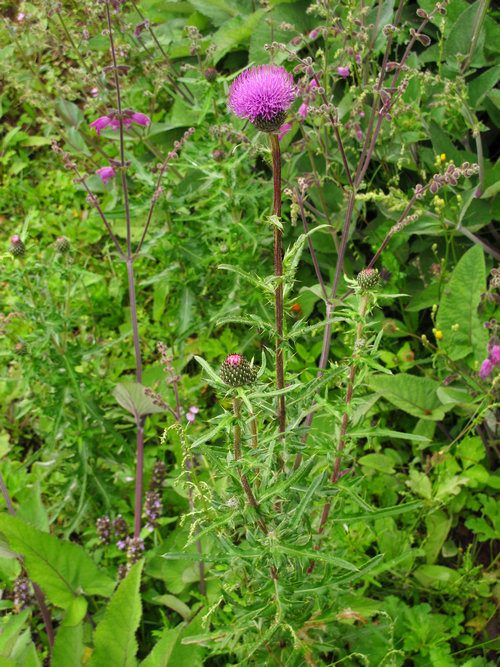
[121,120]
[263,95]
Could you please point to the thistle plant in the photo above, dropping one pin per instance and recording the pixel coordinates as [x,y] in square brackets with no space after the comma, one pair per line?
[263,95]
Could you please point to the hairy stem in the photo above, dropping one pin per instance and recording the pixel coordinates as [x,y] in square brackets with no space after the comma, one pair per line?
[278,271]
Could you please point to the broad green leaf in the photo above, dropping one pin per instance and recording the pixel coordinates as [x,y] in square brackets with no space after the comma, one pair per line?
[438,526]
[131,396]
[217,10]
[429,575]
[414,394]
[234,32]
[172,650]
[479,86]
[461,33]
[114,637]
[33,510]
[162,652]
[458,307]
[174,603]
[185,311]
[62,569]
[68,646]
[379,462]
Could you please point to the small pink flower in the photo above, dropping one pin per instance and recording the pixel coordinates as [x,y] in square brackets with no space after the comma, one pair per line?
[21,17]
[313,84]
[190,417]
[141,119]
[302,111]
[477,193]
[194,409]
[15,239]
[284,130]
[100,123]
[359,133]
[314,33]
[343,71]
[105,174]
[94,92]
[485,369]
[358,58]
[495,355]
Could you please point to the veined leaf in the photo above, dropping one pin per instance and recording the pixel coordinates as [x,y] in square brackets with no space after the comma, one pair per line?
[114,637]
[62,569]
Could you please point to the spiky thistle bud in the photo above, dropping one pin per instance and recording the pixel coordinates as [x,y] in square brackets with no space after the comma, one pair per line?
[368,279]
[17,247]
[20,349]
[236,371]
[62,244]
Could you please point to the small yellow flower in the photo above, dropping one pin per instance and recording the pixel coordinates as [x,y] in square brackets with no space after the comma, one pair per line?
[442,157]
[438,334]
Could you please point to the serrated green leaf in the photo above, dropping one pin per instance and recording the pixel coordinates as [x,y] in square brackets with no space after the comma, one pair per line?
[414,394]
[114,638]
[458,306]
[68,648]
[62,569]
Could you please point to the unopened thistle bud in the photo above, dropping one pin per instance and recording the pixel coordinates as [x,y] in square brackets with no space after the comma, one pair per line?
[17,247]
[210,74]
[20,349]
[62,244]
[368,279]
[236,371]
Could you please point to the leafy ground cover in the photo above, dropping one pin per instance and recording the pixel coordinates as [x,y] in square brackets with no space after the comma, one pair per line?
[249,351]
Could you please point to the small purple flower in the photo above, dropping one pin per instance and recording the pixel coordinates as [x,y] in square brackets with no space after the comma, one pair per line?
[358,58]
[191,415]
[477,193]
[302,112]
[343,71]
[100,123]
[485,369]
[314,33]
[105,174]
[285,129]
[94,92]
[495,355]
[15,239]
[262,94]
[141,119]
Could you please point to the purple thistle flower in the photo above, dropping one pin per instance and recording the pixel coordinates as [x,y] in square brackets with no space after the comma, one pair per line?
[343,71]
[105,174]
[262,94]
[495,355]
[485,369]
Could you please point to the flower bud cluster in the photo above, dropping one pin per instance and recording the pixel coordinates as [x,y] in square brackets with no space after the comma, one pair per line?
[23,595]
[450,177]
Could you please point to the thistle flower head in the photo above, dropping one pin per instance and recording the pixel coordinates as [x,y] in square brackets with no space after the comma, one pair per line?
[262,94]
[236,371]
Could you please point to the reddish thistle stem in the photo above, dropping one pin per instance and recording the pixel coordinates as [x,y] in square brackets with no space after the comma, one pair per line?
[278,271]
